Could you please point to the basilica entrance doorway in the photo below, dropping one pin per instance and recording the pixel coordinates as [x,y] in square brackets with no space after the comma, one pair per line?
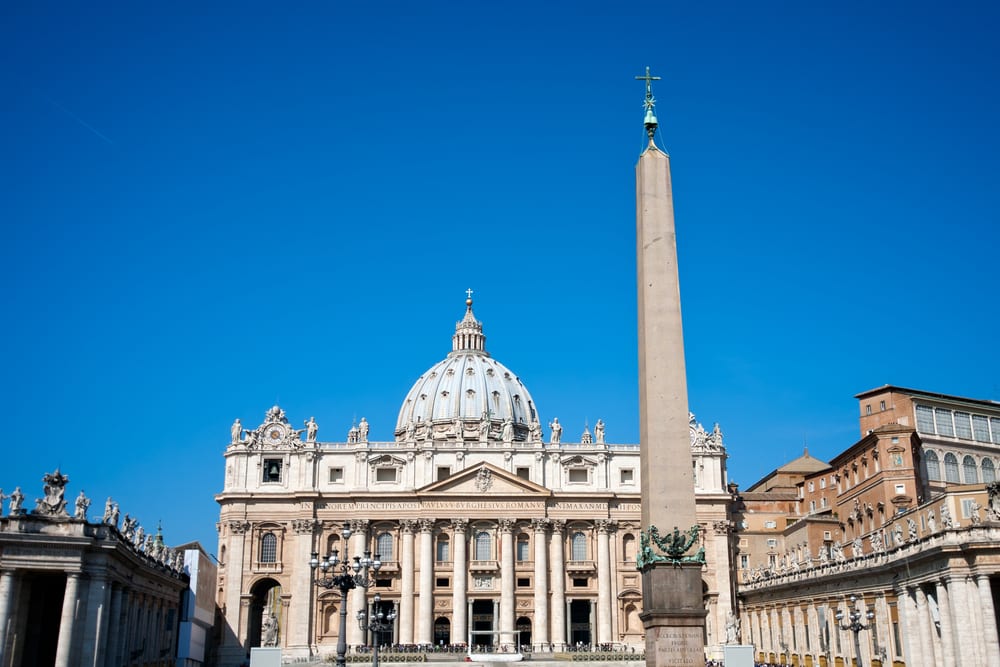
[579,623]
[482,623]
[40,626]
[524,631]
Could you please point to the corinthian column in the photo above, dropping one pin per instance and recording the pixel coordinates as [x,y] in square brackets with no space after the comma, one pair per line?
[460,582]
[406,585]
[301,619]
[603,581]
[425,633]
[357,600]
[540,628]
[507,581]
[558,605]
[991,644]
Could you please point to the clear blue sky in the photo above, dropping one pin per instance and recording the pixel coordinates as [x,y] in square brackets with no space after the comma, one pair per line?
[212,207]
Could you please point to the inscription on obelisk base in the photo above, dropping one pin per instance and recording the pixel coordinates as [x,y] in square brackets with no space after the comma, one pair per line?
[674,629]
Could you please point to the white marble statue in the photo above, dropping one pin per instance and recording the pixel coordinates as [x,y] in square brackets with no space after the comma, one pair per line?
[363,429]
[556,431]
[312,428]
[269,631]
[931,521]
[484,428]
[236,431]
[857,547]
[911,530]
[534,432]
[732,629]
[599,432]
[82,504]
[946,520]
[974,517]
[507,433]
[16,502]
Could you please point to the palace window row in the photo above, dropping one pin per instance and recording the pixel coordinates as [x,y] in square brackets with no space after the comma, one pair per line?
[957,424]
[968,473]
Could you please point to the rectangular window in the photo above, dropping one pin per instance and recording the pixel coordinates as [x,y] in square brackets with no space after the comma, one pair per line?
[336,475]
[524,473]
[900,489]
[385,474]
[272,470]
[995,427]
[442,582]
[822,483]
[812,487]
[868,409]
[578,476]
[770,524]
[822,501]
[968,507]
[881,405]
[981,428]
[963,425]
[383,583]
[443,472]
[579,582]
[772,543]
[523,582]
[744,561]
[942,421]
[628,476]
[812,505]
[925,419]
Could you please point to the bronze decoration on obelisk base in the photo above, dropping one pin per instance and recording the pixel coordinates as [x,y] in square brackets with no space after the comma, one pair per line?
[671,563]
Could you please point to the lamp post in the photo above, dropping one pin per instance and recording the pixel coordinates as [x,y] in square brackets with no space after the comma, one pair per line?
[854,623]
[377,623]
[344,574]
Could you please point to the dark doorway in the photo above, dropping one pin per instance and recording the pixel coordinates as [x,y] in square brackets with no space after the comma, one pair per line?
[579,623]
[482,622]
[40,625]
[385,637]
[442,631]
[523,626]
[266,601]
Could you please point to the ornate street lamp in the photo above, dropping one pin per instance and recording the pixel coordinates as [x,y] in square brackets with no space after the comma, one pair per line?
[854,624]
[378,622]
[352,573]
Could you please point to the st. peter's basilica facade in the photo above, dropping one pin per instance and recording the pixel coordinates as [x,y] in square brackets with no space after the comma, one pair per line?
[487,532]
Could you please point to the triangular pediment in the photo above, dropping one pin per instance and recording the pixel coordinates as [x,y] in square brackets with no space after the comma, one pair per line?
[484,479]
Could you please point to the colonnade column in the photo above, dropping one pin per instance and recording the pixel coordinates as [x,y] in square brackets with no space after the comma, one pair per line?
[507,582]
[6,618]
[67,621]
[425,620]
[406,584]
[95,619]
[357,600]
[540,627]
[114,619]
[558,605]
[947,625]
[924,626]
[603,581]
[965,621]
[460,582]
[232,569]
[907,608]
[991,644]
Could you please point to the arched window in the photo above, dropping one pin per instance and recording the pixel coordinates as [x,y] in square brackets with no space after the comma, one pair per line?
[970,471]
[578,546]
[933,466]
[443,553]
[522,548]
[483,545]
[269,548]
[951,468]
[383,546]
[989,473]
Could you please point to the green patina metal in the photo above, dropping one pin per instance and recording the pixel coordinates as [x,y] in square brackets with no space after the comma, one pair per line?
[673,548]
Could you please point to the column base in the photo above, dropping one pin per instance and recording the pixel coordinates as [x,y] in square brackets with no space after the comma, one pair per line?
[673,615]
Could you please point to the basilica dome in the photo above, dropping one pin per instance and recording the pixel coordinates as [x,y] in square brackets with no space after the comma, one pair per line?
[468,396]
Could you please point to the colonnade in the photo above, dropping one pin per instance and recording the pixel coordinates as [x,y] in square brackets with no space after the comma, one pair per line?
[948,621]
[101,622]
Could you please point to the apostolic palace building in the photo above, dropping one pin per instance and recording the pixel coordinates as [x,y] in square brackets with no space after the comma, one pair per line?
[487,532]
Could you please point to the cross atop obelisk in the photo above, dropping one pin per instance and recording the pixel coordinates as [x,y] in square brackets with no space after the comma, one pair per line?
[670,559]
[649,104]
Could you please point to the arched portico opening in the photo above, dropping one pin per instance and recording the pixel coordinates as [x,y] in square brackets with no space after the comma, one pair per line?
[265,602]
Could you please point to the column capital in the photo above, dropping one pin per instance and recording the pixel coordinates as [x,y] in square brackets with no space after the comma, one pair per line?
[304,526]
[506,525]
[558,525]
[359,525]
[540,525]
[408,526]
[239,527]
[605,526]
[426,525]
[460,526]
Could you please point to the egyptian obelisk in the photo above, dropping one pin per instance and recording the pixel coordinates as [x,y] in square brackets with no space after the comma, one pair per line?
[670,561]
